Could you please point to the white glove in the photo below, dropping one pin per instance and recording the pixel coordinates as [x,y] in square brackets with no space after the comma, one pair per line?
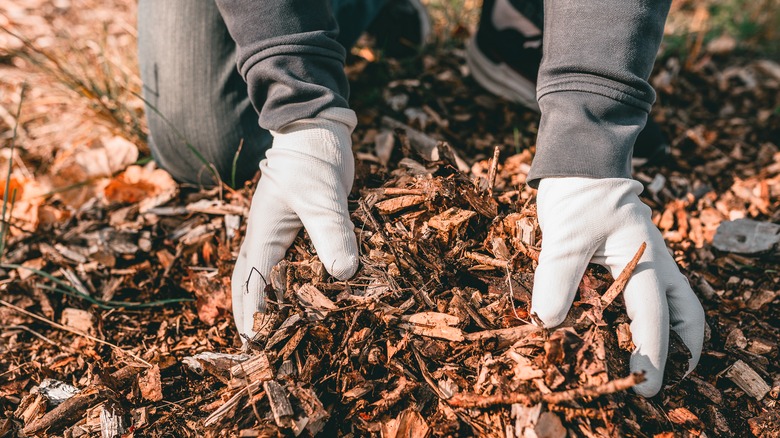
[603,220]
[306,178]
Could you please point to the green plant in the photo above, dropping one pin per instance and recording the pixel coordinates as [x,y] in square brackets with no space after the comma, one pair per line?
[66,289]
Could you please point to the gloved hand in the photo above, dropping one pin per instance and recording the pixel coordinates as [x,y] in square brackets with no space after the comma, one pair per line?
[306,178]
[603,220]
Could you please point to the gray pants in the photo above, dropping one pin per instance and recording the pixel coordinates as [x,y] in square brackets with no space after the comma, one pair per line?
[592,86]
[197,104]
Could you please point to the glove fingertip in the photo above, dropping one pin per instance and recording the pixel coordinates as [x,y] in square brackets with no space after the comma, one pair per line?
[654,376]
[548,317]
[344,268]
[648,388]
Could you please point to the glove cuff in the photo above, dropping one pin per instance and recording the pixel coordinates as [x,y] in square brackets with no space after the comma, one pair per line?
[584,186]
[342,115]
[581,194]
[327,137]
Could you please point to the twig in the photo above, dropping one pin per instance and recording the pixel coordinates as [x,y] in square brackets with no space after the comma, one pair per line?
[470,400]
[380,231]
[24,365]
[396,191]
[176,257]
[486,260]
[235,163]
[620,283]
[610,387]
[254,406]
[231,403]
[75,332]
[34,333]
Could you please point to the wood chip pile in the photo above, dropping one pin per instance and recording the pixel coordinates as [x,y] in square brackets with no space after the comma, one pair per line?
[435,320]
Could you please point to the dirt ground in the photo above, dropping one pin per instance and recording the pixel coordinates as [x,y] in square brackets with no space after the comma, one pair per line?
[115,280]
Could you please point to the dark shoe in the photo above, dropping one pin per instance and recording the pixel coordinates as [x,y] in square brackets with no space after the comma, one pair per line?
[401,28]
[504,58]
[505,54]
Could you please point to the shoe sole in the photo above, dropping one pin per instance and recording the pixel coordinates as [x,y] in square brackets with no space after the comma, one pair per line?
[500,79]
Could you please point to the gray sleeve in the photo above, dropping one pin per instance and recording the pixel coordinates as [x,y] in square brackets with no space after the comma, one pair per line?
[289,57]
[592,87]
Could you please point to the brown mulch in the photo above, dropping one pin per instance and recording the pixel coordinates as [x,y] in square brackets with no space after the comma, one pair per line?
[128,279]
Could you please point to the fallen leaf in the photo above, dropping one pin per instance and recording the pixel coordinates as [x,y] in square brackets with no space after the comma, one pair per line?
[147,186]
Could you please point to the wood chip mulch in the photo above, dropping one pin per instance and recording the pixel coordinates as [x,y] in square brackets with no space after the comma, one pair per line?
[124,307]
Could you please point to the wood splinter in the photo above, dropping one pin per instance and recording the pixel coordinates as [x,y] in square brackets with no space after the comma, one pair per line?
[620,282]
[493,171]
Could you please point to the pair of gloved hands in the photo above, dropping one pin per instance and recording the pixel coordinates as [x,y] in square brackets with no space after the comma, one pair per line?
[308,175]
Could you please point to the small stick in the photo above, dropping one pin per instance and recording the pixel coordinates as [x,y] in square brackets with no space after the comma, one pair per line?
[75,332]
[392,191]
[620,283]
[380,231]
[470,400]
[493,170]
[486,260]
[610,387]
[34,333]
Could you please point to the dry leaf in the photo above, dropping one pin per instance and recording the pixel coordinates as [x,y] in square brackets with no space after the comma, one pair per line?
[147,186]
[78,319]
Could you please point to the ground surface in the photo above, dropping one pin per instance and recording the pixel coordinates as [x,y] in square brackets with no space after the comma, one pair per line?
[108,263]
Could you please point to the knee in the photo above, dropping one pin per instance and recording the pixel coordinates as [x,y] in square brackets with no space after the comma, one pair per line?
[199,146]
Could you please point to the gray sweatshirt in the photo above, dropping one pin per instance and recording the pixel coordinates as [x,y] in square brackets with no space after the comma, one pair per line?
[592,86]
